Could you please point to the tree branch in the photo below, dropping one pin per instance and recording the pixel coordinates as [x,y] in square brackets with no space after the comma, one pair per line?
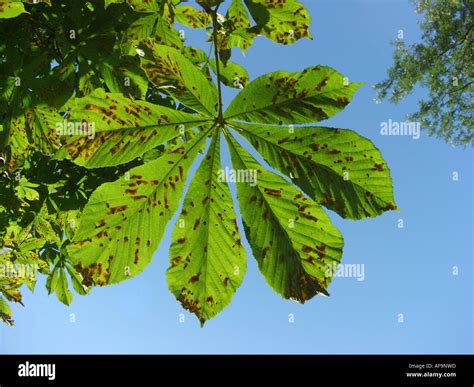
[215,26]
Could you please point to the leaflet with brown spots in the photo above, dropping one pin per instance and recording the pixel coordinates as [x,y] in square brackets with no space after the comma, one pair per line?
[291,237]
[207,260]
[116,130]
[309,96]
[337,168]
[124,221]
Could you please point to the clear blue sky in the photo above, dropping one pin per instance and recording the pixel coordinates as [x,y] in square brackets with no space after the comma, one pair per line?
[407,270]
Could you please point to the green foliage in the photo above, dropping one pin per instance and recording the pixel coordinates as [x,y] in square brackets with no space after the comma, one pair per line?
[105,111]
[443,63]
[11,8]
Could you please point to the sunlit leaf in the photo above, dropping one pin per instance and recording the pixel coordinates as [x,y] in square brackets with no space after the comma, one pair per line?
[11,8]
[191,17]
[153,27]
[168,69]
[62,288]
[282,21]
[336,167]
[291,237]
[232,74]
[206,255]
[124,221]
[116,129]
[312,95]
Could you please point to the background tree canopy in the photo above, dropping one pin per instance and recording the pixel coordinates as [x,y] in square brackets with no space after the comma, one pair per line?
[104,110]
[443,63]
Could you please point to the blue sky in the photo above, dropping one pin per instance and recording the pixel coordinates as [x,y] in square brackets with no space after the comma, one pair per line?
[408,270]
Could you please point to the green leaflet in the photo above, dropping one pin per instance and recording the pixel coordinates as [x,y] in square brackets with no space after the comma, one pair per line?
[11,8]
[168,69]
[62,289]
[191,17]
[76,280]
[195,55]
[237,26]
[57,282]
[311,95]
[40,122]
[206,4]
[237,15]
[232,74]
[206,256]
[36,129]
[124,221]
[291,236]
[240,38]
[89,80]
[124,75]
[283,21]
[52,280]
[5,312]
[336,167]
[58,87]
[139,5]
[116,129]
[26,190]
[153,27]
[18,141]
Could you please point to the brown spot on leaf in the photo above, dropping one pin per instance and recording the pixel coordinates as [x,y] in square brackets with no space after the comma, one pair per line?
[378,167]
[194,278]
[115,210]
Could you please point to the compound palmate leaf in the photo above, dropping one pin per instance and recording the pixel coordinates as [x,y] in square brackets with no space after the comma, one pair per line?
[116,129]
[134,106]
[291,236]
[338,168]
[206,255]
[123,222]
